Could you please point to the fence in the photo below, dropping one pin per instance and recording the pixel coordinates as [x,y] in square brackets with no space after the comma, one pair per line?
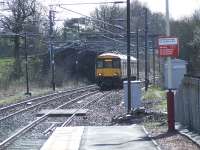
[187,103]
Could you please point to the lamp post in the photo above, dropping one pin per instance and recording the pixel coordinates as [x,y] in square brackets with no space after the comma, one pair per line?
[170,93]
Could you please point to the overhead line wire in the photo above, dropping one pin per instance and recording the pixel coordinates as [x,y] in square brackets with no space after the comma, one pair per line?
[113,39]
[92,18]
[89,3]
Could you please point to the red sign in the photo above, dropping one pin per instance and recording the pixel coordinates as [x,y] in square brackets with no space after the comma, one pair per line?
[168,46]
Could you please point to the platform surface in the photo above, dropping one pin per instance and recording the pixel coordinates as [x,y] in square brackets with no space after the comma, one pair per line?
[67,138]
[99,138]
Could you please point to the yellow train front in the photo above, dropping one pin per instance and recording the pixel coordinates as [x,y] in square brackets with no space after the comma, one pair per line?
[111,69]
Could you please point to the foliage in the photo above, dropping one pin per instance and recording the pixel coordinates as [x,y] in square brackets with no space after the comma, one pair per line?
[6,47]
[116,15]
[154,93]
[109,14]
[188,32]
[6,65]
[157,97]
[21,13]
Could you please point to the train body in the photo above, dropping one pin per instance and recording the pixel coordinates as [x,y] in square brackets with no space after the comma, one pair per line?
[111,69]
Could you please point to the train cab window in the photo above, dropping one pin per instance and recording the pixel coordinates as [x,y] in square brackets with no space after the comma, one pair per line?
[116,64]
[108,63]
[99,64]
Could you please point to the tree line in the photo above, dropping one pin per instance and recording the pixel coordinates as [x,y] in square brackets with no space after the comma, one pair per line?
[31,17]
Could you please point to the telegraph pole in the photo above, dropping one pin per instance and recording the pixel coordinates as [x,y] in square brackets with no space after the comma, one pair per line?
[146,49]
[137,53]
[52,62]
[128,56]
[26,62]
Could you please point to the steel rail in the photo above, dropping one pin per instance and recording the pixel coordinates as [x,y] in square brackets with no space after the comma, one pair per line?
[68,121]
[39,98]
[37,121]
[30,107]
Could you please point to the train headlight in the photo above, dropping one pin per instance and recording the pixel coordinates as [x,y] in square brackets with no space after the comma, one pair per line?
[99,74]
[115,74]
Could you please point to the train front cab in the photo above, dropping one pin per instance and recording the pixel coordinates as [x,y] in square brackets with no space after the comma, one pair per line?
[108,72]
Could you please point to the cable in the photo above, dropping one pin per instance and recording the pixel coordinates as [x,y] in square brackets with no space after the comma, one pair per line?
[116,40]
[92,18]
[114,2]
[109,31]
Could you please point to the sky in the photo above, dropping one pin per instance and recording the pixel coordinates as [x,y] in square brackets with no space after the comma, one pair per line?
[177,8]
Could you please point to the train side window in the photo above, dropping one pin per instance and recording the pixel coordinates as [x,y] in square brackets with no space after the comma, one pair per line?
[99,63]
[116,64]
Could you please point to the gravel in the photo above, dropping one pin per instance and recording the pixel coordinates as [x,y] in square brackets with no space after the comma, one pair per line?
[156,125]
[16,122]
[110,111]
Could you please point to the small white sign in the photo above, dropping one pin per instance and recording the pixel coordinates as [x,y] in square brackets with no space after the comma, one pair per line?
[168,41]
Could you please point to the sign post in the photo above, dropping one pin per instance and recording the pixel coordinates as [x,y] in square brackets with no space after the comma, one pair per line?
[169,47]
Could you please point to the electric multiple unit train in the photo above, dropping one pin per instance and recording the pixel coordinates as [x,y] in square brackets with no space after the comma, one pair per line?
[111,69]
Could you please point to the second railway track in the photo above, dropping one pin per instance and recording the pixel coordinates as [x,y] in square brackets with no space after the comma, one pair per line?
[28,141]
[13,122]
[35,99]
[14,109]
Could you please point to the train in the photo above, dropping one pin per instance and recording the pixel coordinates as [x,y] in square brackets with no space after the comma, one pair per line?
[111,69]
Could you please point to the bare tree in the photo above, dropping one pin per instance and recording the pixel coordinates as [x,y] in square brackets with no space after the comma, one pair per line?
[21,11]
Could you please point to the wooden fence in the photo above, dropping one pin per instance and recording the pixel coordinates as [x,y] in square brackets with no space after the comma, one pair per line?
[187,103]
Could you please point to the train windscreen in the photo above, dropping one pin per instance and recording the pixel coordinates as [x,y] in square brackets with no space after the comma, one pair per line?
[108,63]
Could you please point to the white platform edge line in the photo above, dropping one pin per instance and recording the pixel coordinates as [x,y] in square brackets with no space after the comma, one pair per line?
[154,142]
[77,146]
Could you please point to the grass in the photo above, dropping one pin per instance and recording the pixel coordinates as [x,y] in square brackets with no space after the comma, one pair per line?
[18,96]
[154,93]
[5,66]
[12,91]
[16,92]
[157,95]
[11,99]
[162,106]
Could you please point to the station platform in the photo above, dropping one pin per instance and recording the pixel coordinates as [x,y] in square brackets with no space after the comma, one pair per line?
[99,138]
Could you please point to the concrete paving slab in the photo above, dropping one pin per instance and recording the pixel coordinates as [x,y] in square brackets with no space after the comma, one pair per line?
[62,112]
[66,138]
[99,138]
[116,138]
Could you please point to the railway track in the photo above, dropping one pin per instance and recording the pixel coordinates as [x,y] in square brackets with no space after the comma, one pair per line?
[37,121]
[17,108]
[9,107]
[70,119]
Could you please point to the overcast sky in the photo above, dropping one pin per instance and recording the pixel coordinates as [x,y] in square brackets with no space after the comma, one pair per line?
[178,8]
